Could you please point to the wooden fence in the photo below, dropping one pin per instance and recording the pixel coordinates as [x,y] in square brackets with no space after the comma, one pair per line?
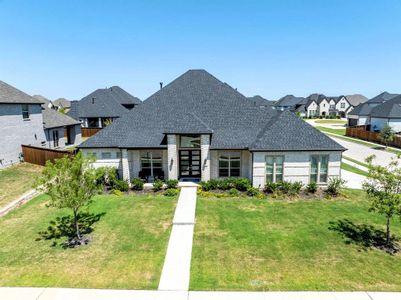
[88,132]
[39,156]
[361,133]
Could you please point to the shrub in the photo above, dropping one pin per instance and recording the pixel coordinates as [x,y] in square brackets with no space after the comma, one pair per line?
[137,184]
[172,183]
[271,187]
[242,184]
[312,187]
[234,192]
[117,192]
[121,185]
[226,184]
[212,184]
[284,187]
[158,185]
[295,188]
[252,191]
[171,192]
[106,176]
[335,186]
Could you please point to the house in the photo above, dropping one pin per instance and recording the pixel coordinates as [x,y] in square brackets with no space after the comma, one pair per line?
[289,102]
[62,104]
[261,102]
[46,102]
[199,128]
[60,130]
[21,122]
[319,105]
[386,114]
[102,107]
[356,99]
[360,115]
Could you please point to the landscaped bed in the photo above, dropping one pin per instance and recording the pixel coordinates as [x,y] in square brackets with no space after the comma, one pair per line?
[128,244]
[17,180]
[291,244]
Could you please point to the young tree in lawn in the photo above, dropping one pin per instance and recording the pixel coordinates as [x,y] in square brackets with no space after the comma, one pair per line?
[71,183]
[386,135]
[383,186]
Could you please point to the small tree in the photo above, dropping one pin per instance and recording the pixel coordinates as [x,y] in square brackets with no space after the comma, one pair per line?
[383,187]
[386,135]
[71,183]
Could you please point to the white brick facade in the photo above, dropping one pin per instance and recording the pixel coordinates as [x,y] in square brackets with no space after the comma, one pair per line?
[172,156]
[205,157]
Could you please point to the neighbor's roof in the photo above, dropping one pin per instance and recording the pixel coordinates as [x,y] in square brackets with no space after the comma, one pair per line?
[53,118]
[10,94]
[388,109]
[289,100]
[62,102]
[260,101]
[197,102]
[381,98]
[362,109]
[103,103]
[356,99]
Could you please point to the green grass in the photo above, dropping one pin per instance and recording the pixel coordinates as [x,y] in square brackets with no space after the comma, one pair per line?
[126,252]
[17,180]
[353,169]
[356,161]
[339,131]
[244,244]
[331,121]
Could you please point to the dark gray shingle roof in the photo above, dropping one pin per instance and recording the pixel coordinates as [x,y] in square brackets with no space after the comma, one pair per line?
[197,102]
[389,109]
[103,103]
[53,118]
[260,101]
[10,94]
[381,98]
[289,100]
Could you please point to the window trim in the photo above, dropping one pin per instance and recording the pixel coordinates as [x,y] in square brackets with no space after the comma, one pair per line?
[274,174]
[318,168]
[151,159]
[229,155]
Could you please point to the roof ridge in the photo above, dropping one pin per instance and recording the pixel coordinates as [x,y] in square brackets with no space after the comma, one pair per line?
[201,121]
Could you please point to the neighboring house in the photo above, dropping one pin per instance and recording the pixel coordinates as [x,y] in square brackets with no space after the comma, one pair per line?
[319,105]
[261,102]
[360,115]
[103,106]
[62,103]
[46,102]
[199,128]
[21,122]
[60,129]
[356,99]
[289,102]
[387,113]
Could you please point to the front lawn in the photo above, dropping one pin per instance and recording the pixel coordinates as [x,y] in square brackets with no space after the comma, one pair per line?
[127,250]
[252,244]
[331,121]
[339,131]
[17,180]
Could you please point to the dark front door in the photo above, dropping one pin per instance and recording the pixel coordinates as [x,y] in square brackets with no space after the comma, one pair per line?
[190,163]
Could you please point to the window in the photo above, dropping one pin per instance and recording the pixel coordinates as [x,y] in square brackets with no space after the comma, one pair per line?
[118,154]
[274,168]
[319,168]
[25,111]
[106,155]
[332,106]
[230,164]
[151,163]
[188,141]
[55,138]
[342,105]
[93,122]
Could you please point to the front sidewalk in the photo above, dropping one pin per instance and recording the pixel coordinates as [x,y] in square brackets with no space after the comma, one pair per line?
[89,294]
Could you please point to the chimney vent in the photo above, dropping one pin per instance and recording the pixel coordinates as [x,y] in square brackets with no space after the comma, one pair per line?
[161,85]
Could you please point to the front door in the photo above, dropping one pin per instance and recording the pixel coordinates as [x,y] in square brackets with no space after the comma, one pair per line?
[190,163]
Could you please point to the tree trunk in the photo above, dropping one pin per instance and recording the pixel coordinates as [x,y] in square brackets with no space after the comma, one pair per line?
[388,231]
[76,224]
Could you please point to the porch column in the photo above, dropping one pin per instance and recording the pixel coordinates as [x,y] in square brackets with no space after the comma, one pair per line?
[100,122]
[125,165]
[205,157]
[172,157]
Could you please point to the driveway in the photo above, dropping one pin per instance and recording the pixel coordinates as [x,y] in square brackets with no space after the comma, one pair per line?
[361,152]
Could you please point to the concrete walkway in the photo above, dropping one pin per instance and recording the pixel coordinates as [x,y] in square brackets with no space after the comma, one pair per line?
[90,294]
[354,181]
[177,264]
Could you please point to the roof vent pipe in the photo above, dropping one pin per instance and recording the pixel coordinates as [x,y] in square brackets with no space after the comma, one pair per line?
[161,85]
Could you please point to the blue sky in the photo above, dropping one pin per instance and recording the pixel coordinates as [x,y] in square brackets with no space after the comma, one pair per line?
[272,48]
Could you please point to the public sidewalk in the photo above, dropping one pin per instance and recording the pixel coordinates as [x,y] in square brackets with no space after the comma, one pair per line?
[91,294]
[177,264]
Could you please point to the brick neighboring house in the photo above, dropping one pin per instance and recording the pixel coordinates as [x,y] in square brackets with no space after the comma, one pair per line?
[102,106]
[199,128]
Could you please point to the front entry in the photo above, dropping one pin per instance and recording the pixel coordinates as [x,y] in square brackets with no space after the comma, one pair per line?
[190,163]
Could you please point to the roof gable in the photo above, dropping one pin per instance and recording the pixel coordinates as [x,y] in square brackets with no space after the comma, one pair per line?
[389,109]
[10,94]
